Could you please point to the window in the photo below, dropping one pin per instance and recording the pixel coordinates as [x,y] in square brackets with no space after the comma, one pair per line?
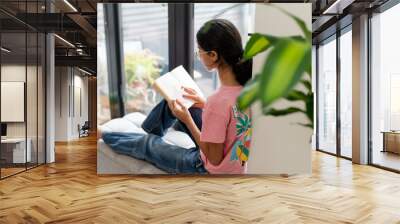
[145,43]
[13,76]
[103,102]
[144,31]
[314,84]
[22,77]
[327,95]
[385,88]
[394,102]
[346,92]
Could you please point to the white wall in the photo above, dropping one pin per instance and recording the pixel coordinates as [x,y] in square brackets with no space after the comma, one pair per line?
[279,145]
[14,73]
[71,87]
[360,90]
[61,103]
[12,100]
[80,102]
[17,73]
[50,94]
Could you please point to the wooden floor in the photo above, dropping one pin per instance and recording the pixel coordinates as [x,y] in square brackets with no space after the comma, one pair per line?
[10,171]
[69,191]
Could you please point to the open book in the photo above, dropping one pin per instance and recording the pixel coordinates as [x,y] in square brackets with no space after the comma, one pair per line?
[170,85]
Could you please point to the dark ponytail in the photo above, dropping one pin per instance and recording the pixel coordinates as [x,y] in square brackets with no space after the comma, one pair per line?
[221,36]
[243,70]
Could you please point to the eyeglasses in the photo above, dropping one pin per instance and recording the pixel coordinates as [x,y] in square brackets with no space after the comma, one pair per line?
[198,52]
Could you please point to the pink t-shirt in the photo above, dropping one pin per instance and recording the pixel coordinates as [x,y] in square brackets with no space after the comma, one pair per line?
[219,126]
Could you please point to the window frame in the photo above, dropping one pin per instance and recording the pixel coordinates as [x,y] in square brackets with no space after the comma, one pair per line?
[28,29]
[180,33]
[337,34]
[381,9]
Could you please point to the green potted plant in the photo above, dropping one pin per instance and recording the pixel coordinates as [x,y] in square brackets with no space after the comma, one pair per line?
[288,60]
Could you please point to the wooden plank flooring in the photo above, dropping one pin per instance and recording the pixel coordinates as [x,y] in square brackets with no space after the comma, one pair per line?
[69,191]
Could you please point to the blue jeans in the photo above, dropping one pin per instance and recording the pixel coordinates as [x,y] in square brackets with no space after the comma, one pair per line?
[152,148]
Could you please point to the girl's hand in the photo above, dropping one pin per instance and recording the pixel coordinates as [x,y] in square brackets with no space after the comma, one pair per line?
[180,111]
[192,95]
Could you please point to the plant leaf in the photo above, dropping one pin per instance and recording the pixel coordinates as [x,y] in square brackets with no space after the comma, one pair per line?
[307,84]
[282,112]
[296,95]
[283,69]
[306,125]
[310,107]
[308,65]
[257,44]
[249,93]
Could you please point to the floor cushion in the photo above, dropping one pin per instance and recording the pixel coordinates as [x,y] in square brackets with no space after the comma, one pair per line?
[110,162]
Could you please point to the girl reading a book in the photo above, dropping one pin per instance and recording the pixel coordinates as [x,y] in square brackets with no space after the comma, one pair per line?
[220,132]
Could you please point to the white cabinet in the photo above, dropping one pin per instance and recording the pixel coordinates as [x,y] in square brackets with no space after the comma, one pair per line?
[19,155]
